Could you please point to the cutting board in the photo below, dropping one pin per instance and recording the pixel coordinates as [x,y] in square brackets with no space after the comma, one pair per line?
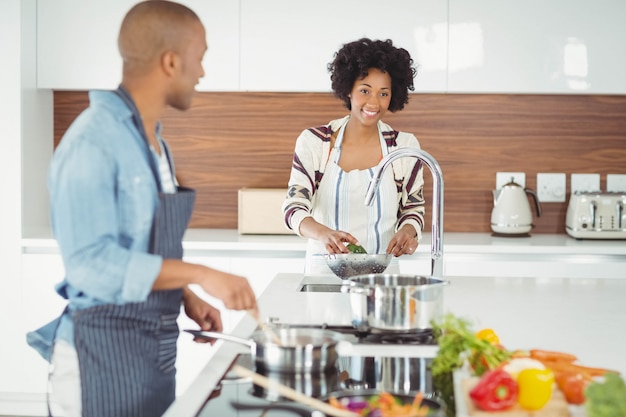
[556,407]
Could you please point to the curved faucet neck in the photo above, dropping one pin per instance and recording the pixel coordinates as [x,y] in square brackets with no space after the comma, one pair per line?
[437,214]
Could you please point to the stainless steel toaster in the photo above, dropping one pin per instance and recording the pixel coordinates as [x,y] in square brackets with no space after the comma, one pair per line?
[596,215]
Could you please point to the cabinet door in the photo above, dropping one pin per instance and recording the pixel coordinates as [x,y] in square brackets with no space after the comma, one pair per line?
[286,45]
[535,46]
[77,43]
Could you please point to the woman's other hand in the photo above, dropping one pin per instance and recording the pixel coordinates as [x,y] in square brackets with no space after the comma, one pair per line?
[404,242]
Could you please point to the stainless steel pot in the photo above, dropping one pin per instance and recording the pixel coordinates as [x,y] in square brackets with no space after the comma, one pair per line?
[401,375]
[394,302]
[313,384]
[300,349]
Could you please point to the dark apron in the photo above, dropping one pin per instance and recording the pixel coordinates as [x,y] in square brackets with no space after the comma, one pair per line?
[127,353]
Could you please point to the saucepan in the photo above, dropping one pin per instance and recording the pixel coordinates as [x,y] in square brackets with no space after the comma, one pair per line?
[394,302]
[299,350]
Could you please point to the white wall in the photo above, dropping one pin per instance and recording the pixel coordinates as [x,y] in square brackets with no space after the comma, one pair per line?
[26,126]
[10,184]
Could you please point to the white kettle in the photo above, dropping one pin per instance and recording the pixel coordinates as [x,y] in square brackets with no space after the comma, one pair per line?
[511,214]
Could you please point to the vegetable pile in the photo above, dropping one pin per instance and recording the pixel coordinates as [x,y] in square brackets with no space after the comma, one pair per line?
[523,378]
[381,405]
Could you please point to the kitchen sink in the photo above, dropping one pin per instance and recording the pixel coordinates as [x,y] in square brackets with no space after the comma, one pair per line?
[320,288]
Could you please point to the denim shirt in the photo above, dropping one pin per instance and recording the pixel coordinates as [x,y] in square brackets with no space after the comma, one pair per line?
[103,196]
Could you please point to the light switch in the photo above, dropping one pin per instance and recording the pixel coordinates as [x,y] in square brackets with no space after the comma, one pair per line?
[551,187]
[505,177]
[585,182]
[616,182]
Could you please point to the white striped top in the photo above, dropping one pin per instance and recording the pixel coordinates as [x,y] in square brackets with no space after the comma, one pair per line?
[168,182]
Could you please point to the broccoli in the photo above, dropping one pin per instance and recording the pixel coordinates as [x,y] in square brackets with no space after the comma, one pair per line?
[606,399]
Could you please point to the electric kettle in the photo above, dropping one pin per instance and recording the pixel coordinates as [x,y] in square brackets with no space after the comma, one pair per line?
[511,214]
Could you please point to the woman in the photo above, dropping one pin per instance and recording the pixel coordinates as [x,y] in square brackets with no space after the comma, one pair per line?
[333,163]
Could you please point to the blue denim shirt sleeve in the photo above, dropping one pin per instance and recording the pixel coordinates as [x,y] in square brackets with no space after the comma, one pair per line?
[103,198]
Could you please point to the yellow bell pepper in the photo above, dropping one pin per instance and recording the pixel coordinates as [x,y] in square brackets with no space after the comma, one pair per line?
[489,335]
[535,388]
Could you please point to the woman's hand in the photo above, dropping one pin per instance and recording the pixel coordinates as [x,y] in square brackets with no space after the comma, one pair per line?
[334,240]
[404,242]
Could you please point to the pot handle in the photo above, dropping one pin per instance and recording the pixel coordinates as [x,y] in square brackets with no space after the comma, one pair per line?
[216,335]
[347,288]
[300,410]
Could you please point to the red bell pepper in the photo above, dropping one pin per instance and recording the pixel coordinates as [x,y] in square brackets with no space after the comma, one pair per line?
[496,390]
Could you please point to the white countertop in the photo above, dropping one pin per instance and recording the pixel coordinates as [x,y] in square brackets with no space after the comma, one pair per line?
[584,317]
[229,240]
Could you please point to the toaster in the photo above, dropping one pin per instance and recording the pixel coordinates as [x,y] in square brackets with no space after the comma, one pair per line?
[596,215]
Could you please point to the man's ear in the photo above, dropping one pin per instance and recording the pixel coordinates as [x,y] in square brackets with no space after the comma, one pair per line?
[170,62]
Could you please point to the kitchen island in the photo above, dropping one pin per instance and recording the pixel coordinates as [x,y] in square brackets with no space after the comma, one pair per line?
[582,316]
[264,259]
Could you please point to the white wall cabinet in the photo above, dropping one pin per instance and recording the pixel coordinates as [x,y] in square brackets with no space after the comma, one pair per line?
[77,43]
[536,46]
[286,46]
[278,45]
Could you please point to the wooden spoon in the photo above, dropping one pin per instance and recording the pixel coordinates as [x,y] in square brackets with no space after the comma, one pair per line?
[291,393]
[266,328]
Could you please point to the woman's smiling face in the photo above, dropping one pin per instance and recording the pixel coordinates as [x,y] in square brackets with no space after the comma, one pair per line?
[370,96]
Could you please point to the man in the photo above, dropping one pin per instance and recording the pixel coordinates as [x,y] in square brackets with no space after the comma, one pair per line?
[119,217]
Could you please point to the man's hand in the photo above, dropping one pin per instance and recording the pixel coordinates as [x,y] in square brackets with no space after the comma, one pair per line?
[203,313]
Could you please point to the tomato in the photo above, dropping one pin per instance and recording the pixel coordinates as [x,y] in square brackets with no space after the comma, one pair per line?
[573,386]
[535,388]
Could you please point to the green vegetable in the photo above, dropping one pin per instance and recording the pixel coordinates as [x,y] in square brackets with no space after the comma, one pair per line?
[606,399]
[355,248]
[458,343]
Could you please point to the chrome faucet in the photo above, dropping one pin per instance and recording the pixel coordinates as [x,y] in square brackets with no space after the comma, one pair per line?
[436,252]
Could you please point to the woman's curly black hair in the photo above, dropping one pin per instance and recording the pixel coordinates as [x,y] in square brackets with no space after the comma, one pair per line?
[354,60]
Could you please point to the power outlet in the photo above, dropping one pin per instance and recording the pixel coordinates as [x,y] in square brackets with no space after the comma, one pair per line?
[616,183]
[585,182]
[503,178]
[551,187]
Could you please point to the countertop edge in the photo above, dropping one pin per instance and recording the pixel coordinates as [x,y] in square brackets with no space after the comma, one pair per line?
[198,241]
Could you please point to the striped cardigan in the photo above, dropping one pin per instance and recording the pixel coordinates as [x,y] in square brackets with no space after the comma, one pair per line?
[309,162]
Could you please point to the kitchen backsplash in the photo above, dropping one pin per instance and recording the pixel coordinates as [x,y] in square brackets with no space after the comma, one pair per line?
[233,140]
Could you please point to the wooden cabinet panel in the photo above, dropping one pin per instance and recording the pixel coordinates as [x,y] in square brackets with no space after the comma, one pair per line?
[228,141]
